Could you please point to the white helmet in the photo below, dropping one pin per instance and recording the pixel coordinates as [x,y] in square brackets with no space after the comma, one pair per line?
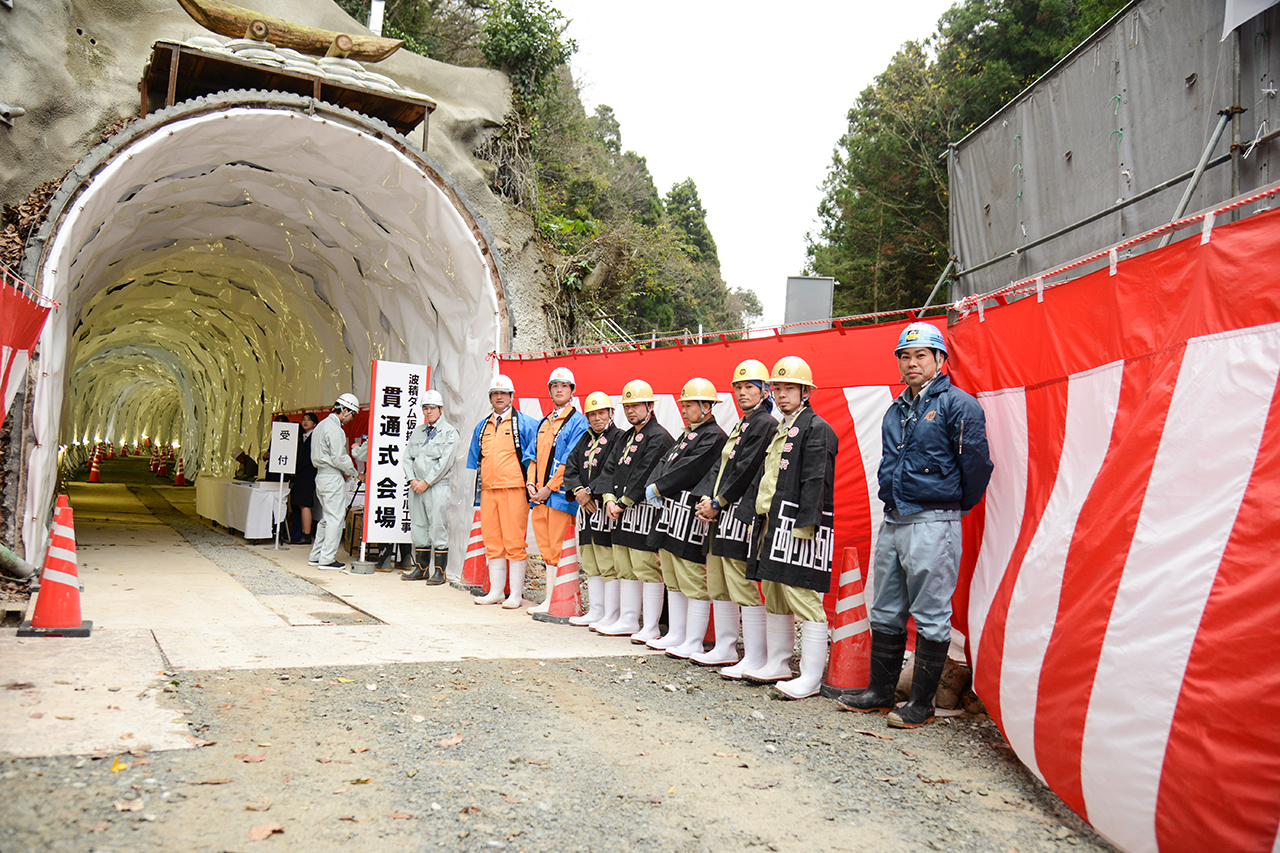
[502,382]
[349,402]
[562,374]
[432,398]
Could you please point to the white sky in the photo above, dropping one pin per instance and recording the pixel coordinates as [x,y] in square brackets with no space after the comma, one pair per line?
[748,99]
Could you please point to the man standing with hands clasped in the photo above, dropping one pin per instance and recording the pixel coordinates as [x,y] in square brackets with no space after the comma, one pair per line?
[934,469]
[428,460]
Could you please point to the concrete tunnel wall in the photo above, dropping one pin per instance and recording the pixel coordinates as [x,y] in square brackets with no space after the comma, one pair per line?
[245,253]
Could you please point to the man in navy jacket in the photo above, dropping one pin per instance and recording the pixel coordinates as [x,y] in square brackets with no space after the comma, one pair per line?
[935,467]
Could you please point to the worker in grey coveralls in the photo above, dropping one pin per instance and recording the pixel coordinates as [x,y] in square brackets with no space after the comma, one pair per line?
[333,467]
[427,461]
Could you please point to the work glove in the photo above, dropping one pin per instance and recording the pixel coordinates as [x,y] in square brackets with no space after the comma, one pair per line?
[651,495]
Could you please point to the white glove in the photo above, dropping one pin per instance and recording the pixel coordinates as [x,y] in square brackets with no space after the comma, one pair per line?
[651,496]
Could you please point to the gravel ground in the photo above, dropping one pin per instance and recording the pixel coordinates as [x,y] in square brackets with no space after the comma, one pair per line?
[559,755]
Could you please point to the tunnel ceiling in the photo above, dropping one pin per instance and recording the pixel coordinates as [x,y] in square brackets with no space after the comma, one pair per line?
[246,253]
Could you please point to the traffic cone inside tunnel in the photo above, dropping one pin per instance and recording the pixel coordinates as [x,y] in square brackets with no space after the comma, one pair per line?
[162,468]
[180,476]
[111,450]
[95,475]
[562,588]
[57,612]
[155,458]
[475,569]
[849,666]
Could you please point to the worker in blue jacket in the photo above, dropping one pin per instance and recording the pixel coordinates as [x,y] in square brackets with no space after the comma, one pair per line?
[935,467]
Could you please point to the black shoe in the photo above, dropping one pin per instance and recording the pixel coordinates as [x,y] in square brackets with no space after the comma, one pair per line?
[930,657]
[417,574]
[437,577]
[887,651]
[334,566]
[440,559]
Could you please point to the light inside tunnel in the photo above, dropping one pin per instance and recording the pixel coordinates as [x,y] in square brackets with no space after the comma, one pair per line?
[214,265]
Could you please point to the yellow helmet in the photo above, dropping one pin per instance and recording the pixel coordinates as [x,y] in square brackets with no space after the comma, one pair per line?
[792,369]
[637,391]
[699,390]
[596,400]
[750,369]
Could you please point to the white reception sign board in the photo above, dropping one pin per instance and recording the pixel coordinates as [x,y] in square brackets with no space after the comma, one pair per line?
[395,408]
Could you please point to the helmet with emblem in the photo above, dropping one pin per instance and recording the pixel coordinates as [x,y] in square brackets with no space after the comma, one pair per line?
[792,369]
[750,370]
[502,382]
[637,391]
[595,401]
[562,374]
[699,390]
[432,397]
[920,334]
[348,402]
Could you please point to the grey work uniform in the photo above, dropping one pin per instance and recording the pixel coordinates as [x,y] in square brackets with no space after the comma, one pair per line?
[429,456]
[329,455]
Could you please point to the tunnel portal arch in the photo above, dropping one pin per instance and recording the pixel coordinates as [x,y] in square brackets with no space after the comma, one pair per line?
[242,253]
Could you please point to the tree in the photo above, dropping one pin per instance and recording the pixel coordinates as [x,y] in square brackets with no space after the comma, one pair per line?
[684,208]
[523,38]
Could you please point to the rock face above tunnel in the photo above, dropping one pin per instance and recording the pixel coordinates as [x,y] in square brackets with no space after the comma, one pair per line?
[75,68]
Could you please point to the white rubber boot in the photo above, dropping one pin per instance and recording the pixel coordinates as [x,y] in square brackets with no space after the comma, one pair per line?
[754,644]
[780,634]
[516,598]
[813,662]
[725,650]
[695,630]
[677,607]
[497,583]
[628,621]
[652,595]
[612,589]
[595,594]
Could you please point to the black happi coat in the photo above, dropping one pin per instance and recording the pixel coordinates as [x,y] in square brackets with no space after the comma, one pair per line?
[627,475]
[750,439]
[679,530]
[582,469]
[805,497]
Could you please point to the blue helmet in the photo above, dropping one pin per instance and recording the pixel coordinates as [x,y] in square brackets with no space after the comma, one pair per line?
[921,335]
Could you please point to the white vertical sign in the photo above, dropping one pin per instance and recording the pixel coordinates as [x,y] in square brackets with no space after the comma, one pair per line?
[394,409]
[282,458]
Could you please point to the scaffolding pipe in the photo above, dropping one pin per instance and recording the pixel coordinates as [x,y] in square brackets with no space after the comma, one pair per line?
[951,264]
[1223,118]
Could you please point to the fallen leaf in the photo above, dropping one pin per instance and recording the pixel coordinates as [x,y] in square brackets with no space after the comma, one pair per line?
[726,755]
[342,790]
[656,800]
[359,781]
[539,762]
[345,680]
[885,778]
[359,749]
[452,741]
[100,826]
[264,744]
[929,781]
[35,715]
[511,799]
[269,691]
[140,761]
[251,759]
[880,735]
[198,742]
[399,816]
[210,782]
[126,735]
[63,717]
[129,805]
[118,765]
[324,760]
[258,807]
[349,817]
[261,833]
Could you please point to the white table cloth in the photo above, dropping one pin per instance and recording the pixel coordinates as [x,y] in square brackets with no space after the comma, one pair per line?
[252,508]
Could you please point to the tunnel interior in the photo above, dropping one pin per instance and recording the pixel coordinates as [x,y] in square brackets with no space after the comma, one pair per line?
[220,261]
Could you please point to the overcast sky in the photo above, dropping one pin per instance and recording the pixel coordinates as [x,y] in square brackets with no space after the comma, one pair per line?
[748,99]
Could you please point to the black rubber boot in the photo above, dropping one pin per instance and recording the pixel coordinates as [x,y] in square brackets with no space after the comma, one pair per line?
[404,555]
[887,651]
[930,658]
[386,561]
[419,572]
[437,572]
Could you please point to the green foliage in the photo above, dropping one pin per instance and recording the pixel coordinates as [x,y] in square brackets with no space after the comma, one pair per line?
[447,30]
[523,39]
[883,216]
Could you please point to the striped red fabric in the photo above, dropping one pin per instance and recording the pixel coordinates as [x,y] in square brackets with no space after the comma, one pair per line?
[1122,610]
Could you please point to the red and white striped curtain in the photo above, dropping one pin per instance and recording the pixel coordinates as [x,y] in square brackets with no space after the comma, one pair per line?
[21,319]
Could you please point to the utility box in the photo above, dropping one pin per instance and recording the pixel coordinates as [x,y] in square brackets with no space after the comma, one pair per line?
[809,298]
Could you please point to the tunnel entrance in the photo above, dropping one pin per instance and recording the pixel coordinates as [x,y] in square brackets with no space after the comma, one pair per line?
[243,253]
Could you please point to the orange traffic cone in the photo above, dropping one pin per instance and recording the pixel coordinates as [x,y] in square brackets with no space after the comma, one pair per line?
[849,666]
[180,478]
[57,612]
[111,451]
[95,475]
[162,467]
[475,570]
[155,458]
[562,590]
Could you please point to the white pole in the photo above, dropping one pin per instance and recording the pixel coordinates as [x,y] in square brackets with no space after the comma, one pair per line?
[375,16]
[281,515]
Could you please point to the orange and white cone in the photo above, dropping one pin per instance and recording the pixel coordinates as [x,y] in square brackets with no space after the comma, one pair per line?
[95,475]
[162,468]
[562,589]
[57,612]
[475,568]
[180,477]
[849,666]
[155,458]
[111,451]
